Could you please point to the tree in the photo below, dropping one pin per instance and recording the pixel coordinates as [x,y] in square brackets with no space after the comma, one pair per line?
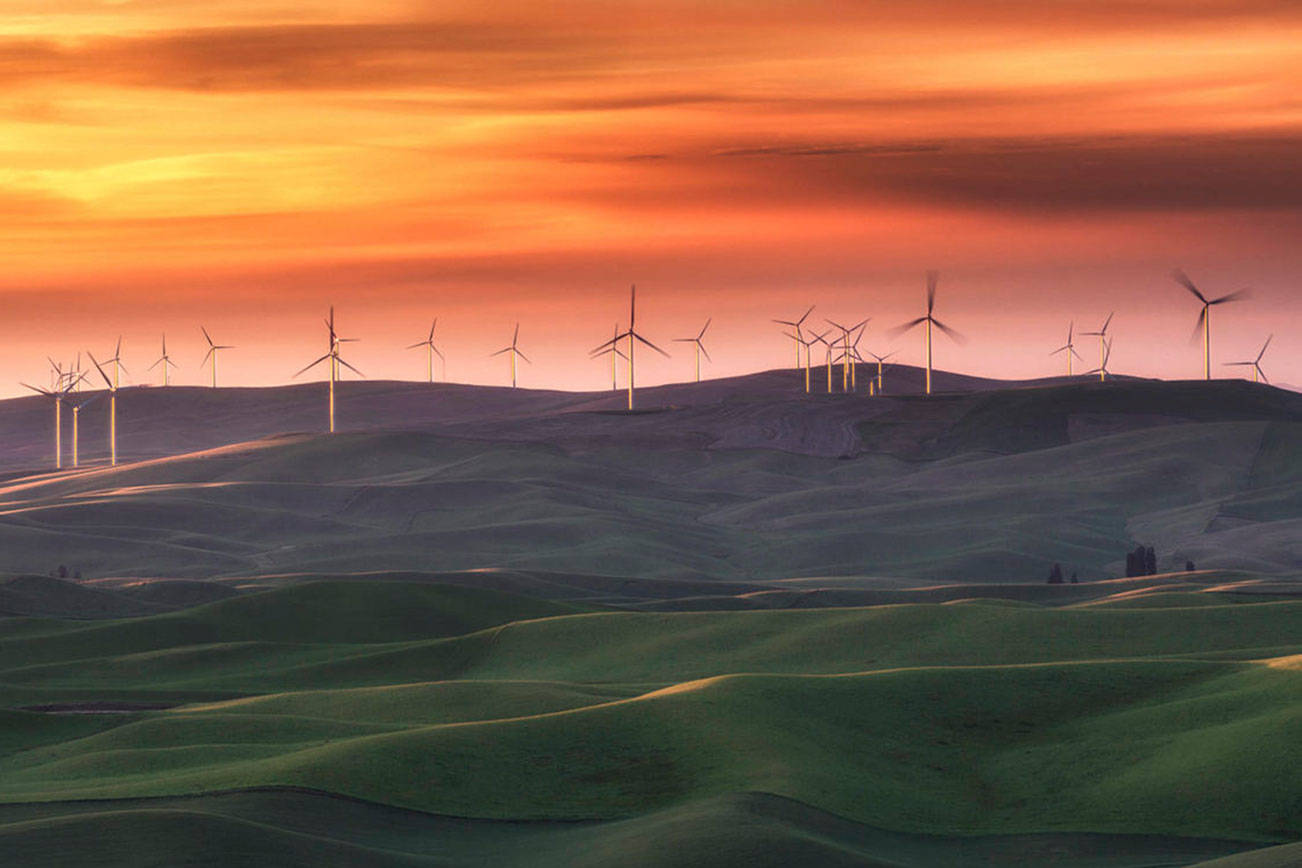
[1131,569]
[1055,575]
[1150,562]
[1189,566]
[1074,580]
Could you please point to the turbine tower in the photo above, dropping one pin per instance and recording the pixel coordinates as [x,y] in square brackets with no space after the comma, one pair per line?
[167,362]
[1204,323]
[798,337]
[431,351]
[612,350]
[848,352]
[807,344]
[881,360]
[1258,375]
[1104,344]
[1102,369]
[59,394]
[332,356]
[929,320]
[76,426]
[514,350]
[113,406]
[700,348]
[1069,348]
[212,354]
[830,345]
[632,336]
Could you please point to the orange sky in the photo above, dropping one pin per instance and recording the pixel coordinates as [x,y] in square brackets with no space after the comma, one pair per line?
[244,164]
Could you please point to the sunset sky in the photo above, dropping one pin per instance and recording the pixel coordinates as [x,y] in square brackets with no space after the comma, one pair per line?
[245,163]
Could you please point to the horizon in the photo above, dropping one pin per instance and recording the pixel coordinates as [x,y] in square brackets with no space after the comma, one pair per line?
[242,168]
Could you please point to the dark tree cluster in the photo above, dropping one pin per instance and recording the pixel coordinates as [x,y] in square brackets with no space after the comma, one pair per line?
[62,573]
[1141,562]
[1055,575]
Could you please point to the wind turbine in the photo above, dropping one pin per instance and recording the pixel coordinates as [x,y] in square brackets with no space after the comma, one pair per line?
[59,394]
[929,320]
[881,360]
[1257,372]
[799,335]
[700,348]
[113,407]
[514,350]
[167,362]
[1205,315]
[822,339]
[76,420]
[612,350]
[807,344]
[212,354]
[335,361]
[431,351]
[1104,344]
[1069,348]
[632,336]
[848,351]
[1102,369]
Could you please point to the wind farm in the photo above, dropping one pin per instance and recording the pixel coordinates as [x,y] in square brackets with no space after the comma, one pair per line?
[550,558]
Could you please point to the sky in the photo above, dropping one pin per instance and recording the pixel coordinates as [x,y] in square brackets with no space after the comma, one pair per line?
[245,164]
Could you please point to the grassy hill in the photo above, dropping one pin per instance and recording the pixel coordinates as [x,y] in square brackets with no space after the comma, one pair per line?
[986,486]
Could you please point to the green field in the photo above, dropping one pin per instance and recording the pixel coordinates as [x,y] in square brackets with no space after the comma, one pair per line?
[758,630]
[898,727]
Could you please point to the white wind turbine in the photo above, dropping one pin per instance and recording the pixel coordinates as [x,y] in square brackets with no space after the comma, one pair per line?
[612,350]
[1258,375]
[631,335]
[213,349]
[881,361]
[1102,369]
[929,320]
[431,351]
[1069,348]
[808,345]
[76,426]
[1104,343]
[849,350]
[59,394]
[514,350]
[700,348]
[1204,323]
[798,335]
[167,362]
[334,360]
[113,406]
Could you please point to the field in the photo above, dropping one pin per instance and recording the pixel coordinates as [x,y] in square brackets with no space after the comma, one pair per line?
[748,629]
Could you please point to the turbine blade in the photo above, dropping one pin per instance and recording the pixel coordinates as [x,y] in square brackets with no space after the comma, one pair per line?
[1183,279]
[901,329]
[704,327]
[313,365]
[207,356]
[515,337]
[1107,322]
[651,345]
[349,367]
[436,352]
[421,344]
[154,365]
[107,381]
[522,355]
[1198,326]
[1262,374]
[35,389]
[1233,296]
[431,329]
[955,336]
[616,339]
[499,352]
[932,278]
[206,336]
[1263,347]
[801,321]
[704,351]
